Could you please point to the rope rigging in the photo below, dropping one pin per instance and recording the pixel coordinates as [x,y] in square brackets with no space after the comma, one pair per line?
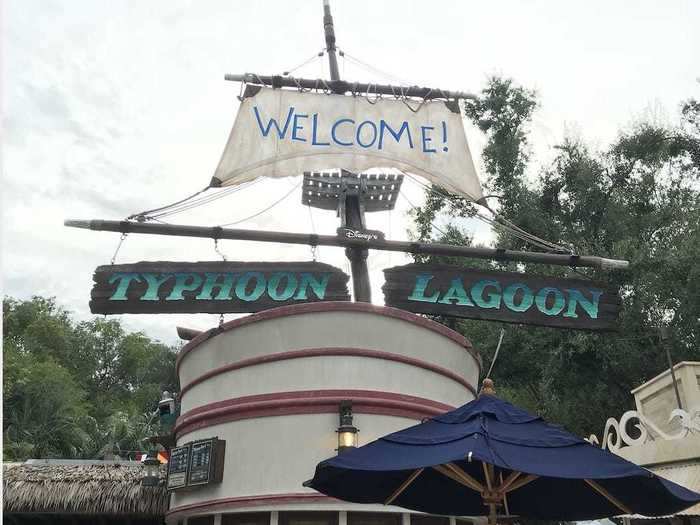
[268,208]
[497,221]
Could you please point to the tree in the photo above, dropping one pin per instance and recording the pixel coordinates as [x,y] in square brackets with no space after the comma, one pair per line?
[638,200]
[77,390]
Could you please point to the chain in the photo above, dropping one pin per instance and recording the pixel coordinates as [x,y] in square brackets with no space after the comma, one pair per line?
[221,320]
[119,245]
[314,250]
[216,249]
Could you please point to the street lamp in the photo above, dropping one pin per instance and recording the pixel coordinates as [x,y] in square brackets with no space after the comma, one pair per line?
[152,468]
[347,432]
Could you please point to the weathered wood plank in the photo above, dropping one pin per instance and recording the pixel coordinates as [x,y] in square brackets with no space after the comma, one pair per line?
[509,297]
[213,287]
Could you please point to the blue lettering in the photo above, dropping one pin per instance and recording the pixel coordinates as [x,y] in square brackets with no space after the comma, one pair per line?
[425,139]
[359,133]
[314,129]
[335,125]
[383,126]
[272,122]
[296,127]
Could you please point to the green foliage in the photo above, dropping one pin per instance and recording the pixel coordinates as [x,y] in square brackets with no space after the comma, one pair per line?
[639,200]
[77,390]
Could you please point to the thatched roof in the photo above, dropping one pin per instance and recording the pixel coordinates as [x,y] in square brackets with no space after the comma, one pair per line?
[82,489]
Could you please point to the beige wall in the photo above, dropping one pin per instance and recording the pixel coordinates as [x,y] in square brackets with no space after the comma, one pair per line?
[274,455]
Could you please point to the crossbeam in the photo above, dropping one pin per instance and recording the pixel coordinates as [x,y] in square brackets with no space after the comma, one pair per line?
[341,87]
[469,252]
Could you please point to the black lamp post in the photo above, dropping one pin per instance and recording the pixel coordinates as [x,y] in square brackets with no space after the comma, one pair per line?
[152,468]
[347,432]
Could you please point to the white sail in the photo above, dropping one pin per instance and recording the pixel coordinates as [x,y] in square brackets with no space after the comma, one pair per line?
[279,133]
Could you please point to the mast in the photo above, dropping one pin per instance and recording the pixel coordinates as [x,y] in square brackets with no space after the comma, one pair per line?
[351,209]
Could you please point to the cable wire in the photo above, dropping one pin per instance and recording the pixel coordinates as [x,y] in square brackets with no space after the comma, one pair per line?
[313,57]
[508,227]
[263,210]
[146,212]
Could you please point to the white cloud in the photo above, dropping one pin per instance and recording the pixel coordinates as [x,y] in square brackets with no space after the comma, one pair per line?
[111,108]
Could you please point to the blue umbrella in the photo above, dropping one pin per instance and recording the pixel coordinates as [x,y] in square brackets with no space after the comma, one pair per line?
[489,454]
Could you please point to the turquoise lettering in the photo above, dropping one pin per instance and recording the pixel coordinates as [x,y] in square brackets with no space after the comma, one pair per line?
[154,283]
[457,293]
[589,306]
[418,293]
[124,279]
[290,285]
[318,286]
[222,282]
[557,305]
[492,300]
[184,282]
[242,286]
[509,297]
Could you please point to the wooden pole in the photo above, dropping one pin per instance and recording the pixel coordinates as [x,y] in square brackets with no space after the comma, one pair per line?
[470,252]
[342,87]
[612,499]
[403,486]
[354,215]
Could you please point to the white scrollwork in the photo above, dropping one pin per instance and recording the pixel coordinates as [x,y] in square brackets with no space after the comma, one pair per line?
[616,436]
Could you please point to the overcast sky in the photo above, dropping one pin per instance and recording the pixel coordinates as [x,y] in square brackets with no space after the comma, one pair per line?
[112,107]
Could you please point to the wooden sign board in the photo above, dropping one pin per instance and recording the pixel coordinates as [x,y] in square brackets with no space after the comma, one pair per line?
[213,287]
[508,297]
[178,467]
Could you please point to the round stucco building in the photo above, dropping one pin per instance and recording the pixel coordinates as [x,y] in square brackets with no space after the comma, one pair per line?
[271,384]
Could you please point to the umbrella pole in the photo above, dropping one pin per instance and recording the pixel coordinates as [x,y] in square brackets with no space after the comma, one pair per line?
[492,514]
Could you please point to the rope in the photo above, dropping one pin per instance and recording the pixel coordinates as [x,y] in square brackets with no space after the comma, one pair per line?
[373,69]
[265,209]
[313,57]
[508,227]
[414,206]
[185,206]
[143,214]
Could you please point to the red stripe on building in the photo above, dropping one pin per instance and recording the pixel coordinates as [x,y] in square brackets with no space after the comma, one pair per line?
[323,352]
[307,402]
[329,306]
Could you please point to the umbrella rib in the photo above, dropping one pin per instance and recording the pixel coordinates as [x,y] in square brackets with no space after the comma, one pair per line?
[509,481]
[486,475]
[442,469]
[521,482]
[612,499]
[476,485]
[505,498]
[410,479]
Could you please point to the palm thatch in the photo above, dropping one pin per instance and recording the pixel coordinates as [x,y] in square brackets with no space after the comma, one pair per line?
[113,489]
